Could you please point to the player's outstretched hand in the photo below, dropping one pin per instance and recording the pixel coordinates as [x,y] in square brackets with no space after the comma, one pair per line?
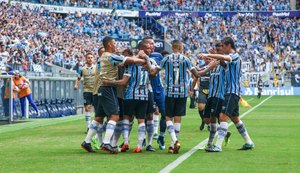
[212,51]
[75,87]
[213,64]
[141,54]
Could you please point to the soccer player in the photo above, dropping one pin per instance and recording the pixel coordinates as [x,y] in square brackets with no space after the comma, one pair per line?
[203,90]
[97,140]
[176,82]
[260,84]
[215,98]
[159,97]
[136,100]
[107,101]
[230,107]
[88,73]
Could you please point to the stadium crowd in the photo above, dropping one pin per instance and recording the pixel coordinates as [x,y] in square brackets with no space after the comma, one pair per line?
[30,38]
[179,5]
[264,42]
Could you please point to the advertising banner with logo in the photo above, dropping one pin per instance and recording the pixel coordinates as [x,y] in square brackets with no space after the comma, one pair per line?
[132,43]
[65,9]
[159,14]
[276,91]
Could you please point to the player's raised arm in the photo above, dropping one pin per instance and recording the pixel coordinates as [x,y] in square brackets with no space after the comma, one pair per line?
[77,82]
[218,57]
[206,69]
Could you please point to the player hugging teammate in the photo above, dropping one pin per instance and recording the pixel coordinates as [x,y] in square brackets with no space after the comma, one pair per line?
[220,94]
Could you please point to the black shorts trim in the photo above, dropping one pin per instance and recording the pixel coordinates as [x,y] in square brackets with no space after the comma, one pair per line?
[202,97]
[213,107]
[175,106]
[88,98]
[107,101]
[151,104]
[137,108]
[230,105]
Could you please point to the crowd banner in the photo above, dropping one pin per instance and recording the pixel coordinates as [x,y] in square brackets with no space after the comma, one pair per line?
[68,9]
[158,14]
[276,91]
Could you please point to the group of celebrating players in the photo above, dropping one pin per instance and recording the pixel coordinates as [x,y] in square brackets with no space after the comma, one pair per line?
[123,85]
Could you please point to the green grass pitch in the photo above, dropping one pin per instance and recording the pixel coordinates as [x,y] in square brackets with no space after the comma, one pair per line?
[53,145]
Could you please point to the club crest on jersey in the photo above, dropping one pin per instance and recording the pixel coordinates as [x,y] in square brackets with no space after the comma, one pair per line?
[223,107]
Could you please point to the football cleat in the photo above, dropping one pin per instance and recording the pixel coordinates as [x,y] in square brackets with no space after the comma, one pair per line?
[213,148]
[155,136]
[150,148]
[109,148]
[171,150]
[202,126]
[87,147]
[176,147]
[226,139]
[161,143]
[137,150]
[247,147]
[124,147]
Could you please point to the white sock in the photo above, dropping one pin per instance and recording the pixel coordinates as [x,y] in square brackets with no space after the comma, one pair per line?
[117,134]
[92,131]
[156,121]
[130,126]
[171,131]
[88,119]
[125,131]
[110,128]
[141,134]
[99,133]
[212,133]
[177,128]
[221,133]
[150,131]
[243,131]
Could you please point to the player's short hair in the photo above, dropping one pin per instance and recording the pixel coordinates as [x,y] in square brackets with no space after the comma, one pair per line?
[99,50]
[89,53]
[106,40]
[228,40]
[218,44]
[165,53]
[142,44]
[176,44]
[147,38]
[127,52]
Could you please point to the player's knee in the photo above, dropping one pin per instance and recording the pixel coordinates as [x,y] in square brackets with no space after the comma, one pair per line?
[235,119]
[223,117]
[87,108]
[201,106]
[114,118]
[206,120]
[99,120]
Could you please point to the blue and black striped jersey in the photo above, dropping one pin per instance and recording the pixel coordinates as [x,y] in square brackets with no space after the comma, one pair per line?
[233,75]
[176,76]
[137,88]
[217,83]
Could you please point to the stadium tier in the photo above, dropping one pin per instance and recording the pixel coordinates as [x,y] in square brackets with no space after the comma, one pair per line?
[177,5]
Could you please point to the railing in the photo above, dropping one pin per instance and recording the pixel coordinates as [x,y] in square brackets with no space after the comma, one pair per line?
[50,88]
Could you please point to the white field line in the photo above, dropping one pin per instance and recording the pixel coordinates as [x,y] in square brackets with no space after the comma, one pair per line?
[186,155]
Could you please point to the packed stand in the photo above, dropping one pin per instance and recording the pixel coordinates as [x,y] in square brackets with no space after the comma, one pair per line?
[267,43]
[179,5]
[32,38]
